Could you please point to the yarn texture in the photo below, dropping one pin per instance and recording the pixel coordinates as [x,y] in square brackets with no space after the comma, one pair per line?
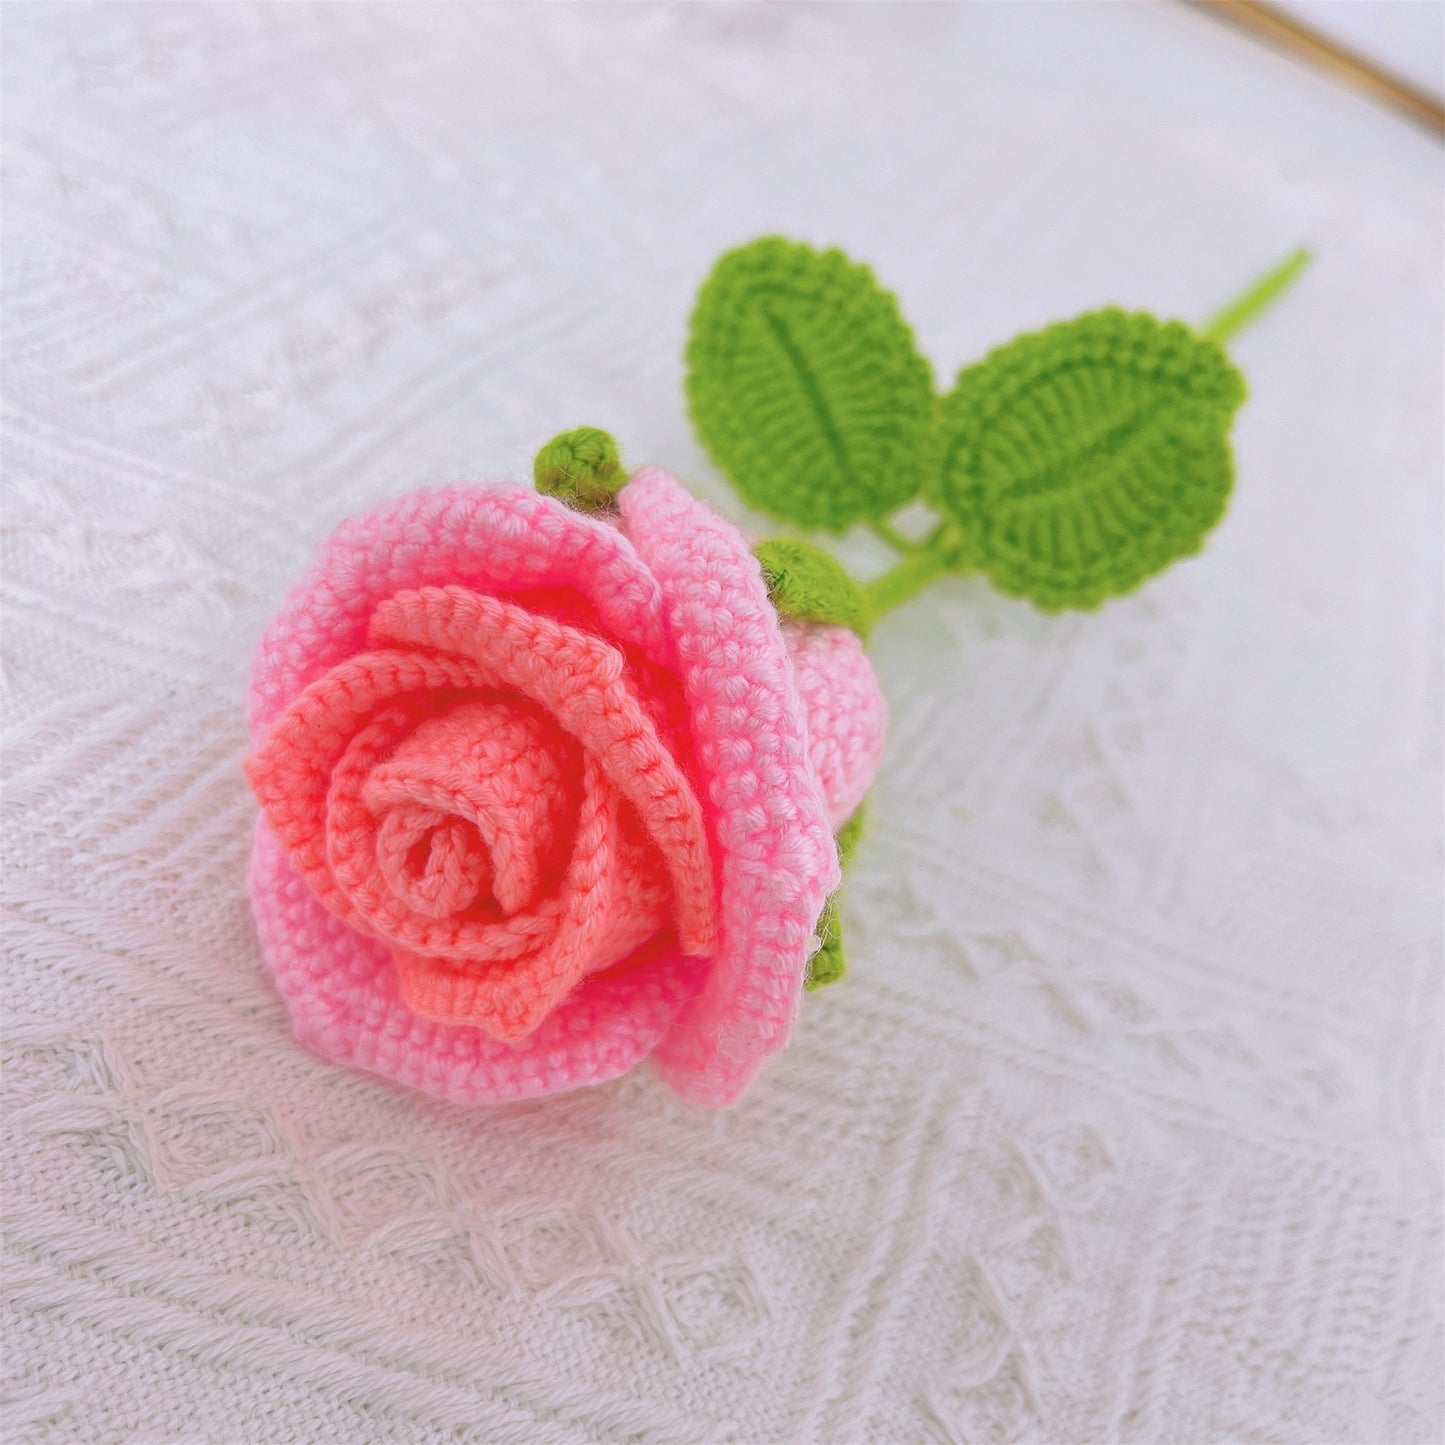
[543,794]
[1069,465]
[805,581]
[828,964]
[1082,459]
[806,385]
[581,467]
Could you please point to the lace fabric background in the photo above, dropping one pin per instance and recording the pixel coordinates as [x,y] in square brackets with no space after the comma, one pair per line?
[1125,1125]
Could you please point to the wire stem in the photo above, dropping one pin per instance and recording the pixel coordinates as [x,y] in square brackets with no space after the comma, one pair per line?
[1256,298]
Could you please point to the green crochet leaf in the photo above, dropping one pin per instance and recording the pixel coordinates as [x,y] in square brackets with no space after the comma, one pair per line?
[1082,459]
[805,581]
[828,965]
[806,386]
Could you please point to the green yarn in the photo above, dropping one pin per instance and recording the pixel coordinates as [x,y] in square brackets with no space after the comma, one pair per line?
[1082,459]
[1258,297]
[580,467]
[1070,465]
[806,386]
[850,833]
[828,964]
[806,582]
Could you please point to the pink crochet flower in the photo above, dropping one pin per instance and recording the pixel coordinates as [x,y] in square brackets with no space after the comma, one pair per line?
[544,794]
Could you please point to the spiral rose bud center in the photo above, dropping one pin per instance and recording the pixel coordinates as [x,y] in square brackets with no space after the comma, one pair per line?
[470,808]
[435,864]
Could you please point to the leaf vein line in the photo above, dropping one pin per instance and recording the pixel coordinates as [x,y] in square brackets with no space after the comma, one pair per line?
[812,392]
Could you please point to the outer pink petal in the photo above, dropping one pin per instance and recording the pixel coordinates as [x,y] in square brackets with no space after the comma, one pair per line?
[847,715]
[345,1002]
[778,862]
[500,538]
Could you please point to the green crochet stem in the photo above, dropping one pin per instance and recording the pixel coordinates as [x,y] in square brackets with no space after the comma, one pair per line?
[923,565]
[895,538]
[942,551]
[1256,298]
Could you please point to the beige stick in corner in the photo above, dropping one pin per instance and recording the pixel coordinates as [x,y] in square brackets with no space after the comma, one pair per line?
[1280,29]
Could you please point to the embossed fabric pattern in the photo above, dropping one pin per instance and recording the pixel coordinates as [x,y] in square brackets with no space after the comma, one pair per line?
[1123,1124]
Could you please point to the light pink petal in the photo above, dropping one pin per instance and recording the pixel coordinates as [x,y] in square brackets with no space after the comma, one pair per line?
[499,538]
[345,1002]
[847,716]
[778,862]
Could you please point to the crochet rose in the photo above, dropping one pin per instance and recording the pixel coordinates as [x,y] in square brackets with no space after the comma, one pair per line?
[545,793]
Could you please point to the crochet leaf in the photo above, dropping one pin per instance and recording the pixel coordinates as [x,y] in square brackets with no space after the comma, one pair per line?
[806,582]
[828,964]
[1082,459]
[806,386]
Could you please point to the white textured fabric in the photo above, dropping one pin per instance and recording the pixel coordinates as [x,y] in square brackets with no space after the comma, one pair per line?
[1126,1124]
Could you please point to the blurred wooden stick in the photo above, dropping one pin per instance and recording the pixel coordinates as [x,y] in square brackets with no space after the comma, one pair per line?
[1271,24]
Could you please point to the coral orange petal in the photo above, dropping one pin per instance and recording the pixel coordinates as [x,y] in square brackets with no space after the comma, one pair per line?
[344,995]
[579,679]
[291,768]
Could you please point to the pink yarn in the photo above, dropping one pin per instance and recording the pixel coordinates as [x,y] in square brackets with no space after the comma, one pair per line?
[845,711]
[543,795]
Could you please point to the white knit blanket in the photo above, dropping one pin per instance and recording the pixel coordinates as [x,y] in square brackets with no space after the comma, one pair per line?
[1126,1123]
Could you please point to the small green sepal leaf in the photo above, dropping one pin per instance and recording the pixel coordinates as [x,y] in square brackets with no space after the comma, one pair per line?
[850,833]
[806,582]
[1080,460]
[580,467]
[806,386]
[829,964]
